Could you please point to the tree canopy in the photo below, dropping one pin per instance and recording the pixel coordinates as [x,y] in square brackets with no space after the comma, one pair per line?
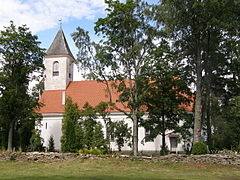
[21,56]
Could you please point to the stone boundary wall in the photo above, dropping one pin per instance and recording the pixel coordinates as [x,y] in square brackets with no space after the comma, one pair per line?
[226,159]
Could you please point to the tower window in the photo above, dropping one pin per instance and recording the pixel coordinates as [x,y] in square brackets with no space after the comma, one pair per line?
[56,68]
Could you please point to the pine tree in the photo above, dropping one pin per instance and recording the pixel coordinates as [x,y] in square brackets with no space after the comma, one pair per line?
[69,127]
[98,137]
[51,147]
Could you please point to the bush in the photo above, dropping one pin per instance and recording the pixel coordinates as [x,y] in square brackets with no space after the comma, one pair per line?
[36,142]
[199,148]
[91,151]
[237,149]
[51,144]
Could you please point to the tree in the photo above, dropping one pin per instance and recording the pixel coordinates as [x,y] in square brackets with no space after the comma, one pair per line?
[36,142]
[70,128]
[103,110]
[88,116]
[21,56]
[98,137]
[128,39]
[51,147]
[166,95]
[92,131]
[226,124]
[203,35]
[121,133]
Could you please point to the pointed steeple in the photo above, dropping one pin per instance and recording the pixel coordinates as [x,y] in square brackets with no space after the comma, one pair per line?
[59,45]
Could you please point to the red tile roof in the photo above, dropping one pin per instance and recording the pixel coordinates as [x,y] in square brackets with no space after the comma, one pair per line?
[81,92]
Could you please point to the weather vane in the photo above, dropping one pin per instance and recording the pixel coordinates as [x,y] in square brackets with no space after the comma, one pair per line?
[60,23]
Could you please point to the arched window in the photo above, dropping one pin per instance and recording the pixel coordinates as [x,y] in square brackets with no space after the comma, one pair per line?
[55,68]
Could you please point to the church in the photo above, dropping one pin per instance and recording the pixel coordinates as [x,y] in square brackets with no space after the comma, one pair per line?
[59,85]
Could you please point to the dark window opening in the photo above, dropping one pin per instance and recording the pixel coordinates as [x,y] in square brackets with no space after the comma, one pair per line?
[56,68]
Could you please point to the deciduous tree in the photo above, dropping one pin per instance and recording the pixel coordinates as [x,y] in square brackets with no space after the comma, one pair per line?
[21,56]
[167,94]
[128,39]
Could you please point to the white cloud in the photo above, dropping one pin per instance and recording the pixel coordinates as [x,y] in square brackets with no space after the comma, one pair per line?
[44,14]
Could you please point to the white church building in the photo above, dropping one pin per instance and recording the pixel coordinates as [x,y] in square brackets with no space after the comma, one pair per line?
[59,85]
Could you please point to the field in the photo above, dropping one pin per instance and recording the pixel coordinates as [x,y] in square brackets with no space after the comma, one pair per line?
[115,169]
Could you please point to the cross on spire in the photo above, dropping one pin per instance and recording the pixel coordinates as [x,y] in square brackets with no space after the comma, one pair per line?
[60,23]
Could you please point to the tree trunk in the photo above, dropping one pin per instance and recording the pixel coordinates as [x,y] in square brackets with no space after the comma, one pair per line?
[208,119]
[198,99]
[135,134]
[163,149]
[10,136]
[208,83]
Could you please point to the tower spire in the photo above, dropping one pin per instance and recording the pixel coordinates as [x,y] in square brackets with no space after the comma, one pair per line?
[59,45]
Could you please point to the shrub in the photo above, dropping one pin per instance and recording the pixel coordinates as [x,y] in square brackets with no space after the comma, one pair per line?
[36,142]
[237,149]
[51,144]
[199,148]
[91,151]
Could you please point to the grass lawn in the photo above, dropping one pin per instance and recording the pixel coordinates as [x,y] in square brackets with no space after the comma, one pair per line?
[115,169]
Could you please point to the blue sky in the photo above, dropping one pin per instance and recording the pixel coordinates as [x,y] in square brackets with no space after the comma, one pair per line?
[42,16]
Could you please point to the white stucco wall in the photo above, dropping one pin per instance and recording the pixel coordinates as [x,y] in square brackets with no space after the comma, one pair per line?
[52,124]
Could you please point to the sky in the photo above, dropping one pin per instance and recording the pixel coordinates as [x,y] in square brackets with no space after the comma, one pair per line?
[42,17]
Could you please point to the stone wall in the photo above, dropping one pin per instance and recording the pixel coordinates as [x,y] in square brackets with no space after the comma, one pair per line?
[226,159]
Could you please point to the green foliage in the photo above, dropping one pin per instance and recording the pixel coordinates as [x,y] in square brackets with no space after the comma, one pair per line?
[80,129]
[166,95]
[51,147]
[126,46]
[21,56]
[226,131]
[91,151]
[237,149]
[205,35]
[36,142]
[121,133]
[98,137]
[103,109]
[92,131]
[88,122]
[72,133]
[199,148]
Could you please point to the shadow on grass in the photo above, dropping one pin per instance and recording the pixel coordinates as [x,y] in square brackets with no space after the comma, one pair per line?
[83,178]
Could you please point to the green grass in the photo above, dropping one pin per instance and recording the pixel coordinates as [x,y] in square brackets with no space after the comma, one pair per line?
[114,169]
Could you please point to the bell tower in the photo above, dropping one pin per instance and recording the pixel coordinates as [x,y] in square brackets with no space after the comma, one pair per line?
[58,64]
